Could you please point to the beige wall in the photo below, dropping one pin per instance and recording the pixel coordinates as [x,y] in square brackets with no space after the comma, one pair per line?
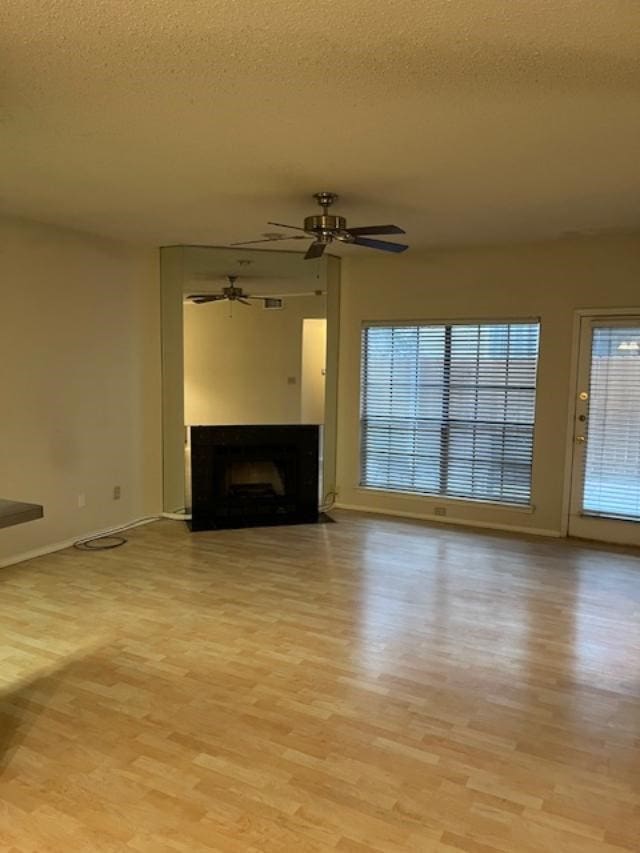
[79,382]
[237,368]
[548,280]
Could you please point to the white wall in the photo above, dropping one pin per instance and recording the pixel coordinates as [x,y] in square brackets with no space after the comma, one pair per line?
[237,368]
[79,382]
[549,280]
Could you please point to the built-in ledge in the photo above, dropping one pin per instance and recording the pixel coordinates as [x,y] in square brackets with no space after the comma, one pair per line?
[16,512]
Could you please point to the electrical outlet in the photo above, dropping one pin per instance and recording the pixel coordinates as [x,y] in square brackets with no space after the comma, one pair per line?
[439,510]
[116,493]
[82,501]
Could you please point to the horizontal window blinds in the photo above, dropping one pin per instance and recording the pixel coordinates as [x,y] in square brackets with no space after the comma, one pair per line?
[612,459]
[449,409]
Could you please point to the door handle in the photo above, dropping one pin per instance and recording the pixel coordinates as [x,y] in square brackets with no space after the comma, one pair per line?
[580,439]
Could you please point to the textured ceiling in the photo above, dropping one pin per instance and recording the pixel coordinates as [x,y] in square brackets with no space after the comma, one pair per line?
[465,122]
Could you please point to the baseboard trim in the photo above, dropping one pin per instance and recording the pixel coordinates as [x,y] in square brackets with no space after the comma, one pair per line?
[459,522]
[68,543]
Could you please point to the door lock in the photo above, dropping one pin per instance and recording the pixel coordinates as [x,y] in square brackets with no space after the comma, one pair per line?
[583,395]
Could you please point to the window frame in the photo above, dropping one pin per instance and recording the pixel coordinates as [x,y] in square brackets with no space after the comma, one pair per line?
[440,498]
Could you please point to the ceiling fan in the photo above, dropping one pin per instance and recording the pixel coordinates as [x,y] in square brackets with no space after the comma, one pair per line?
[231,293]
[324,228]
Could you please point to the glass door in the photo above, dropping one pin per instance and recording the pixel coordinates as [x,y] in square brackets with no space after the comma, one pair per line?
[605,495]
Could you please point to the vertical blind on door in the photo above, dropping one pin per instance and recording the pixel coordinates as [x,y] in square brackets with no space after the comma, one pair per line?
[612,461]
[449,409]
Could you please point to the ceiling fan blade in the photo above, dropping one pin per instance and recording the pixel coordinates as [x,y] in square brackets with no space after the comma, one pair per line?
[244,301]
[200,298]
[383,245]
[270,239]
[315,250]
[249,242]
[282,225]
[375,229]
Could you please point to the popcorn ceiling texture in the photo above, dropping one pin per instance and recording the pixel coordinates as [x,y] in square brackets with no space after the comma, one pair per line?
[466,122]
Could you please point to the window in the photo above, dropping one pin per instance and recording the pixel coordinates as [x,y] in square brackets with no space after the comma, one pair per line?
[449,409]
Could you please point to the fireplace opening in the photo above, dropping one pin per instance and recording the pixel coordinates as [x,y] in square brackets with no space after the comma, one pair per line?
[254,479]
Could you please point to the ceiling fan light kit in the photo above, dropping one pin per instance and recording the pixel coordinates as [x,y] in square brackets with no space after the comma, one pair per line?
[326,227]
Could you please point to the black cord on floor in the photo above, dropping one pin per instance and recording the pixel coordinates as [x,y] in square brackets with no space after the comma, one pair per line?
[100,543]
[328,502]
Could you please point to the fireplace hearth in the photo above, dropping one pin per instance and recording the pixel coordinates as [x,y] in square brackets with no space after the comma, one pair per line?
[250,476]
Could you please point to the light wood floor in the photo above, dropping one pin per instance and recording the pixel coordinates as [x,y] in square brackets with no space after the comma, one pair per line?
[371,685]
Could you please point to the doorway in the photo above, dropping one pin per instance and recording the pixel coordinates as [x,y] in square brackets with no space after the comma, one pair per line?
[314,369]
[605,480]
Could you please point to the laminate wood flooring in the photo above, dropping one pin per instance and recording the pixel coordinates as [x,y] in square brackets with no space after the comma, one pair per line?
[370,685]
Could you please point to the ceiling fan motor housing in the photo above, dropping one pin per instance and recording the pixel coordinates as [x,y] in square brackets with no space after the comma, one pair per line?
[325,223]
[232,292]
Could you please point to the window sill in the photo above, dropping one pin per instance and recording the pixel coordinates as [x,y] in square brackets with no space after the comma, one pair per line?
[526,509]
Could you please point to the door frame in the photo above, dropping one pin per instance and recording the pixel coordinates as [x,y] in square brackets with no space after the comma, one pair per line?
[579,316]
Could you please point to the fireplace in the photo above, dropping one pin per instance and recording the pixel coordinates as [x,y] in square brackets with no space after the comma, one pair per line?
[249,476]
